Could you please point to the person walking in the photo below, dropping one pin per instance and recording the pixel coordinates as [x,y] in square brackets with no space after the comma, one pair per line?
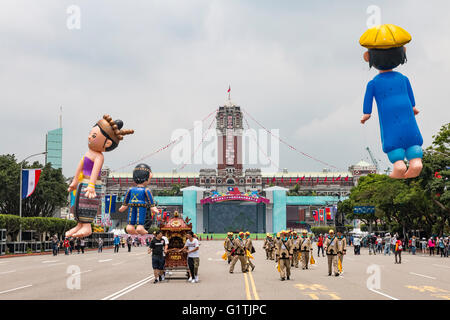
[78,245]
[305,248]
[398,250]
[296,249]
[379,244]
[431,245]
[239,253]
[446,246]
[341,246]
[66,246]
[116,243]
[320,246]
[441,246]
[82,245]
[413,245]
[267,246]
[72,244]
[249,250]
[330,247]
[157,248]
[285,251]
[387,244]
[228,246]
[55,244]
[129,242]
[357,245]
[193,256]
[100,245]
[423,244]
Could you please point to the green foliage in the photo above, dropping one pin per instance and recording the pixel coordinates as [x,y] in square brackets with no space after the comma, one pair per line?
[175,191]
[322,229]
[50,194]
[13,223]
[295,191]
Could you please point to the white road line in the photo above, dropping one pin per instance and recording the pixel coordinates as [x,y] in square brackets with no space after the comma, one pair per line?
[4,261]
[75,274]
[439,265]
[50,261]
[106,260]
[133,288]
[8,272]
[55,264]
[15,289]
[383,294]
[130,286]
[422,275]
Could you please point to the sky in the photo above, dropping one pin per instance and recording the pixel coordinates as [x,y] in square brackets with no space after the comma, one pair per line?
[295,66]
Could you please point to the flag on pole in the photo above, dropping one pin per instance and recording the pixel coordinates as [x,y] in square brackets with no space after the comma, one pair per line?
[321,213]
[30,178]
[338,178]
[346,178]
[315,215]
[328,213]
[296,181]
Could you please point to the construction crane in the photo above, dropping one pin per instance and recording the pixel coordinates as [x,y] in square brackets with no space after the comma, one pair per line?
[374,161]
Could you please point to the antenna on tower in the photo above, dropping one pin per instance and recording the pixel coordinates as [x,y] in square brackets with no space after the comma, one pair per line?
[60,117]
[229,92]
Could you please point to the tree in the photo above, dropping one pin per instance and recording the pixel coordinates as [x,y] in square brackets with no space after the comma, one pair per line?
[50,193]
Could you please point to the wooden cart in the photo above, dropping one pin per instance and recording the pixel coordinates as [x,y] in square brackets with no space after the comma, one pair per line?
[175,229]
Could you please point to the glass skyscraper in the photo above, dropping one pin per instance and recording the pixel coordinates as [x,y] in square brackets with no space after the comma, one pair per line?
[53,146]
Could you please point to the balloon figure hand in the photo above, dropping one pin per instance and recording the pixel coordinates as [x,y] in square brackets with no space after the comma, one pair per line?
[364,118]
[416,111]
[90,192]
[72,187]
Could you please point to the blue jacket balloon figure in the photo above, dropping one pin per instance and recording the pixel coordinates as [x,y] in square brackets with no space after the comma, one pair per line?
[400,135]
[137,199]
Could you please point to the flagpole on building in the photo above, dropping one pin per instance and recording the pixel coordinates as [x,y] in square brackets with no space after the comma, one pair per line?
[20,190]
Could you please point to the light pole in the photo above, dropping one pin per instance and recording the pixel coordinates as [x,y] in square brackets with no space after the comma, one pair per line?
[20,190]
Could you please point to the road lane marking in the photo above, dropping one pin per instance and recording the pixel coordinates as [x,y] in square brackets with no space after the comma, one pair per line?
[106,260]
[6,291]
[117,263]
[130,286]
[247,290]
[8,272]
[133,288]
[422,275]
[426,288]
[50,261]
[4,261]
[255,293]
[439,265]
[383,294]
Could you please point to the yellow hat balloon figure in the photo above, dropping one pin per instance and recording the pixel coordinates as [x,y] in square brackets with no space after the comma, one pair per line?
[104,136]
[400,134]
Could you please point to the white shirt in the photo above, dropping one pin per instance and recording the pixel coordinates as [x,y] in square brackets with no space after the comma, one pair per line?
[191,245]
[166,242]
[356,241]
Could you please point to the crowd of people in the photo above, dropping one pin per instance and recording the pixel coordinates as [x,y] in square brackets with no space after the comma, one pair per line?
[68,245]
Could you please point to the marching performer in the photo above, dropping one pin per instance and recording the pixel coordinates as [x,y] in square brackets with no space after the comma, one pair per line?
[228,246]
[296,249]
[341,248]
[268,246]
[330,247]
[284,251]
[305,247]
[249,247]
[275,242]
[239,253]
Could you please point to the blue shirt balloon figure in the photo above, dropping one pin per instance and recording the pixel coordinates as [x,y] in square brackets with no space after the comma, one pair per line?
[137,200]
[400,135]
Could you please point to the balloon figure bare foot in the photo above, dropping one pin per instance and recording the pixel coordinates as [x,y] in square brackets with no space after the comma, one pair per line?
[415,167]
[399,170]
[74,230]
[141,230]
[85,231]
[130,229]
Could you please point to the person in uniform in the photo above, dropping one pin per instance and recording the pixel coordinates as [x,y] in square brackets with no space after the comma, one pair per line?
[268,246]
[239,253]
[275,242]
[341,248]
[249,247]
[296,249]
[284,252]
[330,247]
[305,247]
[228,246]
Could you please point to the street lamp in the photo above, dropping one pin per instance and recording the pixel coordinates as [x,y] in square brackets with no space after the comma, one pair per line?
[20,190]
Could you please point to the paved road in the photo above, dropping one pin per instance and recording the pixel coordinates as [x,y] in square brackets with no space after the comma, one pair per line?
[125,275]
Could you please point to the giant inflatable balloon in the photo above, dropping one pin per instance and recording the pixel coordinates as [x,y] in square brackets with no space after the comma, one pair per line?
[104,136]
[137,199]
[400,135]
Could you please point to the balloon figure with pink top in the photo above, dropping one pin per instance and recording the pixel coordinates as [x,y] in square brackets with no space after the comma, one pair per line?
[104,136]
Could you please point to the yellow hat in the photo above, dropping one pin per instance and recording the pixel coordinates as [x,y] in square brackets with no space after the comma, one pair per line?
[384,36]
[247,233]
[294,232]
[241,233]
[278,234]
[304,231]
[267,234]
[331,231]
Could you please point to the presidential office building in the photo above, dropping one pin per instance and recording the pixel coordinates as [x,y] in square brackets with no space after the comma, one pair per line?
[231,197]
